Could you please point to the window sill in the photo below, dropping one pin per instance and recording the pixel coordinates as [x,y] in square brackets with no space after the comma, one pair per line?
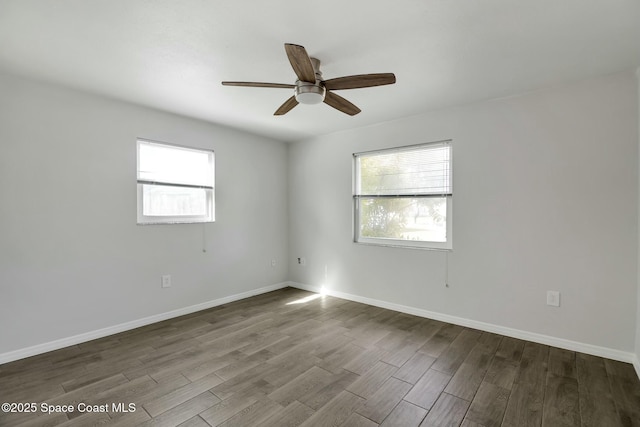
[397,244]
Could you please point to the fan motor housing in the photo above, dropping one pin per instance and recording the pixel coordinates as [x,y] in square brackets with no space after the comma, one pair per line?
[309,93]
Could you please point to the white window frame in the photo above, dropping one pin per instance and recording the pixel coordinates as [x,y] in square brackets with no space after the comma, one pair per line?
[416,244]
[174,219]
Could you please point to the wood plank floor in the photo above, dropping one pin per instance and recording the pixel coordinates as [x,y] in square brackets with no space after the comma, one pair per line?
[291,358]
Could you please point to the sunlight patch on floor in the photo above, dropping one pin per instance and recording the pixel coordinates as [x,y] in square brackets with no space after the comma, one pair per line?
[305,299]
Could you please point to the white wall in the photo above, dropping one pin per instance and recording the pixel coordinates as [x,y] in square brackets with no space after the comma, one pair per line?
[545,198]
[637,362]
[73,260]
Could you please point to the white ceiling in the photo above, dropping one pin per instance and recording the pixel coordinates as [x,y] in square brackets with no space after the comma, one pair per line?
[173,54]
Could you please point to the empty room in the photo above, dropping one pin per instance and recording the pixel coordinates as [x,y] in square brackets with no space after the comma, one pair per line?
[345,213]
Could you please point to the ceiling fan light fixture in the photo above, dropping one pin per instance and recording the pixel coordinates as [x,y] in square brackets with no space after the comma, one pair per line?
[309,93]
[311,88]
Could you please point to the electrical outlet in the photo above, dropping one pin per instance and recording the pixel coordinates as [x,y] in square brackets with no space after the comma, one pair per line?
[166,281]
[273,263]
[553,298]
[302,261]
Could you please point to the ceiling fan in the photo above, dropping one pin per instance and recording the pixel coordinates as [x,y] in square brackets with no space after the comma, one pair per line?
[310,88]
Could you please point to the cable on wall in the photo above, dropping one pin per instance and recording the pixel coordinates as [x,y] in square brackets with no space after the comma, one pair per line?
[446,269]
[204,237]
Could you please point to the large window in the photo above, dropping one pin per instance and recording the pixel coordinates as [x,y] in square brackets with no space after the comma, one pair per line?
[402,196]
[175,184]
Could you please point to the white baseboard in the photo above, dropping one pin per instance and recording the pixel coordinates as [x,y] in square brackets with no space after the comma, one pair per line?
[502,330]
[594,350]
[100,333]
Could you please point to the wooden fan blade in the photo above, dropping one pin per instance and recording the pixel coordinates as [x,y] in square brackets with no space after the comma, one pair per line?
[359,81]
[341,104]
[286,107]
[301,63]
[256,84]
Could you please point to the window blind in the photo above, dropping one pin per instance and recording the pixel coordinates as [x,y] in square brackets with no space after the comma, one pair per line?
[176,166]
[419,171]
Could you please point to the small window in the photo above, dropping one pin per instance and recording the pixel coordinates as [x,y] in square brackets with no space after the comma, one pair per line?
[175,184]
[402,196]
